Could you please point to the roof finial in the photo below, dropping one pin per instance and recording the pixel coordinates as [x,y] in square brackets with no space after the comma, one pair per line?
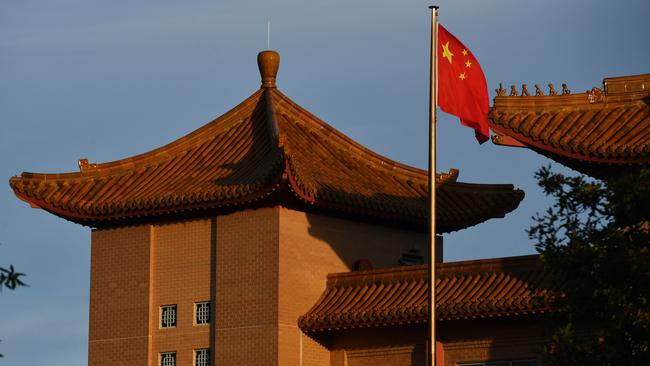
[268,62]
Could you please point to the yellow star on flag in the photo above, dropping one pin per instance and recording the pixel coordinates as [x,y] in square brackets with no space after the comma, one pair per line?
[446,53]
[462,76]
[464,52]
[468,64]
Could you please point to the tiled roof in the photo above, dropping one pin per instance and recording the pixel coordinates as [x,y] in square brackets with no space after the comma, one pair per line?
[265,151]
[465,290]
[589,131]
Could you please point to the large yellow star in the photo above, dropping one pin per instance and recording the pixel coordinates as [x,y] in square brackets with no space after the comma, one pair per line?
[446,53]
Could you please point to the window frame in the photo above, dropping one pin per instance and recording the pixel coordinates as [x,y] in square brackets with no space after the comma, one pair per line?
[161,313]
[161,358]
[196,313]
[208,355]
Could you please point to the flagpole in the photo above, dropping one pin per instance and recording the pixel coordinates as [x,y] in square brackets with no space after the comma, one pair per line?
[433,97]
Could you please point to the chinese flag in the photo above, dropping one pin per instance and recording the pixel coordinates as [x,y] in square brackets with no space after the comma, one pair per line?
[462,90]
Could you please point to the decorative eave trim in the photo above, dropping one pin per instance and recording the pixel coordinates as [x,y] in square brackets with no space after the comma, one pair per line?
[510,138]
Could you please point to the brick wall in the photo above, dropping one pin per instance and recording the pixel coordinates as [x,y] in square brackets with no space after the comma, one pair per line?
[386,346]
[311,246]
[119,297]
[261,269]
[181,275]
[491,340]
[247,288]
[467,341]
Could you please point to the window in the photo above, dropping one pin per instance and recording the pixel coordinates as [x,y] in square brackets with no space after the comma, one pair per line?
[168,359]
[168,316]
[202,357]
[202,313]
[502,363]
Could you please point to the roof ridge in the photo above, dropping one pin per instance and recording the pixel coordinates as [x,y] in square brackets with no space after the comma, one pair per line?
[272,119]
[381,160]
[467,266]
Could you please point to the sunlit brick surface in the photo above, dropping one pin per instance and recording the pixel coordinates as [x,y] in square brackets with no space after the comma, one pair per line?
[246,288]
[261,269]
[181,276]
[119,296]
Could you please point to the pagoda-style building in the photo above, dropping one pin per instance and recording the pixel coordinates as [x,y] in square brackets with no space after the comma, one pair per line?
[601,132]
[267,237]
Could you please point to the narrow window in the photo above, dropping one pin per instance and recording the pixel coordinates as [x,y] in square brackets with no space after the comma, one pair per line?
[168,359]
[202,357]
[168,316]
[202,313]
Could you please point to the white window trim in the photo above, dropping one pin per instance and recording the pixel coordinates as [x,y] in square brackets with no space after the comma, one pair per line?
[163,354]
[196,352]
[160,316]
[196,317]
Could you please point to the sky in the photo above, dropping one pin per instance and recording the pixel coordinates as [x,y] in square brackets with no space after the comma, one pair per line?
[105,80]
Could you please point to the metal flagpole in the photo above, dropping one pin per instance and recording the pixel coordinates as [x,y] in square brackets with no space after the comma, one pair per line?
[433,99]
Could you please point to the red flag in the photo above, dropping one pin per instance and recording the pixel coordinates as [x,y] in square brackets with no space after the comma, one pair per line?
[462,90]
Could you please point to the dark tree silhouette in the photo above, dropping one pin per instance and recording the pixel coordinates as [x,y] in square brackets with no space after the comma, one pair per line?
[595,242]
[10,279]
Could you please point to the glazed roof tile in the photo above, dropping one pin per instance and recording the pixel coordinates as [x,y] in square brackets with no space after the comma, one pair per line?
[585,131]
[261,152]
[465,290]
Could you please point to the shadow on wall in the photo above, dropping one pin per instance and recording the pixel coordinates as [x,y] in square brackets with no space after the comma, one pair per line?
[361,243]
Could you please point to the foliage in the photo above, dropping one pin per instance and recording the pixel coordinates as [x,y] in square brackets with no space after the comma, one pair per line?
[10,279]
[595,242]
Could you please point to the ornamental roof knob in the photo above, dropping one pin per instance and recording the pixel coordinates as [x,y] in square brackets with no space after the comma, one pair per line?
[268,62]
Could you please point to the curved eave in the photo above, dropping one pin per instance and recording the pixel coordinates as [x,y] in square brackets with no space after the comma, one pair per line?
[414,318]
[489,202]
[481,289]
[181,207]
[463,205]
[521,140]
[592,128]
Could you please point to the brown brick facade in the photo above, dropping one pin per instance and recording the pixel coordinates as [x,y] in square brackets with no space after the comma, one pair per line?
[181,272]
[461,342]
[386,346]
[120,307]
[491,339]
[261,269]
[246,288]
[311,246]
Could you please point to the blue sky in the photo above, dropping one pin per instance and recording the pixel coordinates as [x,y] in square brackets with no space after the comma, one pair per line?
[106,80]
